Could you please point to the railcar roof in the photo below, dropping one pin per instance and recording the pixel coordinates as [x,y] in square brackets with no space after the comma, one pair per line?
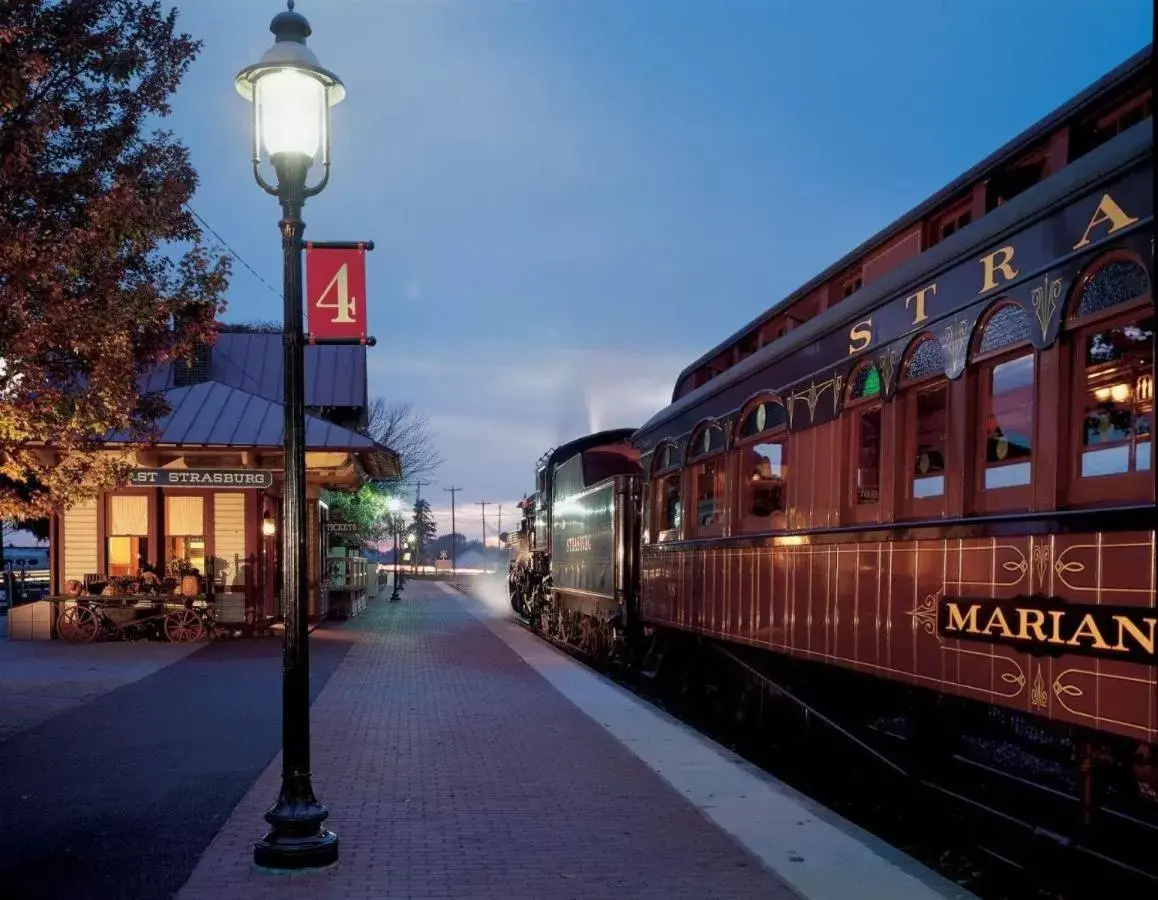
[1126,149]
[1011,149]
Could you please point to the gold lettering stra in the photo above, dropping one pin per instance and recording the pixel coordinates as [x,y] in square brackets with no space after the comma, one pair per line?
[919,314]
[1107,211]
[1088,629]
[860,336]
[1000,260]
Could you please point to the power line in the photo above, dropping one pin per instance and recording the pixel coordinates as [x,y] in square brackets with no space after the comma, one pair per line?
[484,504]
[228,249]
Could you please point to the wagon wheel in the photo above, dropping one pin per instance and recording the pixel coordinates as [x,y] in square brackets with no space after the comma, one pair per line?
[78,625]
[183,626]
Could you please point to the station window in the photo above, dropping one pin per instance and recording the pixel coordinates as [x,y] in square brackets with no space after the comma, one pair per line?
[667,508]
[926,403]
[762,446]
[128,533]
[707,480]
[185,531]
[866,426]
[1006,362]
[1113,346]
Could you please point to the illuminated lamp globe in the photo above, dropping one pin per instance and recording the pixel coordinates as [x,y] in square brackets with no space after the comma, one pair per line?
[291,95]
[268,527]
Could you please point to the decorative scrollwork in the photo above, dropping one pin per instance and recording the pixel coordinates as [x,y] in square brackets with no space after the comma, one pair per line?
[1018,679]
[924,615]
[1067,690]
[1041,557]
[956,343]
[1038,696]
[1045,300]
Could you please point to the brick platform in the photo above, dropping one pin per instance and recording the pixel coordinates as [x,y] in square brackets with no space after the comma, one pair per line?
[454,770]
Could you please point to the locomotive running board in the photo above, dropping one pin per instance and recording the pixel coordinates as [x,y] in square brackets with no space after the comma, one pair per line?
[811,710]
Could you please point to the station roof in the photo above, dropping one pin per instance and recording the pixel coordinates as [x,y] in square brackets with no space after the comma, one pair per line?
[252,361]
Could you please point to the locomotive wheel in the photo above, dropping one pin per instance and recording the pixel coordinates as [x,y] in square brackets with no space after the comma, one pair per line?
[78,625]
[183,626]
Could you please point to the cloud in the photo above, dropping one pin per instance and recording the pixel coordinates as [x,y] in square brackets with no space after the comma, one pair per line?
[494,410]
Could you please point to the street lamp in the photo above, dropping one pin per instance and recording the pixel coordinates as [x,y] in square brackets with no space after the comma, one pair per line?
[395,504]
[292,95]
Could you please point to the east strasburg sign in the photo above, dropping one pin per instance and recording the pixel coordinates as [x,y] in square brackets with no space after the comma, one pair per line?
[259,479]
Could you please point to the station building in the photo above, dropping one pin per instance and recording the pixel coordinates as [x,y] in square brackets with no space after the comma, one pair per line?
[203,504]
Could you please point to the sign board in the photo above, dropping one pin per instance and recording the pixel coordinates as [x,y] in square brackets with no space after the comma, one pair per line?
[201,478]
[341,528]
[336,292]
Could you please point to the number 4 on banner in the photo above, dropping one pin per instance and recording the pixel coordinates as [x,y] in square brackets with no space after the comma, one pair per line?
[336,291]
[345,304]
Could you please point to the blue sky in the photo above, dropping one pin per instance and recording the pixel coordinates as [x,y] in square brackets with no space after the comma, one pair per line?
[572,199]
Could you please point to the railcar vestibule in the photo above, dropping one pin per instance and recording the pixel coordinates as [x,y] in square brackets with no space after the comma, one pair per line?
[1019,429]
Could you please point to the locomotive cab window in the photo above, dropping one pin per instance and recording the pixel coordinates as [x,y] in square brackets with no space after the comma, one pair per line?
[1006,366]
[707,480]
[1113,362]
[762,448]
[667,506]
[866,428]
[925,394]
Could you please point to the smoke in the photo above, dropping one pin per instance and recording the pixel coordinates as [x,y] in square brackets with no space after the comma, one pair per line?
[490,593]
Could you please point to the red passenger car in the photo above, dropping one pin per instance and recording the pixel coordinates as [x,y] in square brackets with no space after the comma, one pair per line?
[926,477]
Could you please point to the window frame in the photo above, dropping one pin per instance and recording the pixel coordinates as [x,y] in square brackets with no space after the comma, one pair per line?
[693,464]
[854,410]
[908,392]
[1014,497]
[1122,487]
[777,434]
[659,476]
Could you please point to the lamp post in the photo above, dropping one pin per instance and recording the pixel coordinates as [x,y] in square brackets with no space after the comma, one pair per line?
[292,95]
[395,503]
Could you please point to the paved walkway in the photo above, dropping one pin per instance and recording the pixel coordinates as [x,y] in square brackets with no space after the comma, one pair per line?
[42,679]
[454,770]
[463,758]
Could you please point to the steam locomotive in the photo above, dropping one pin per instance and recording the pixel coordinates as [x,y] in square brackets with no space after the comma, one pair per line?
[919,490]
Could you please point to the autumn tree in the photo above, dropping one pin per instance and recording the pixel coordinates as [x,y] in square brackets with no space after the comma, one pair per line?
[103,272]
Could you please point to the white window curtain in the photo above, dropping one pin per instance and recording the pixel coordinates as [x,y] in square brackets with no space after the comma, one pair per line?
[128,516]
[184,517]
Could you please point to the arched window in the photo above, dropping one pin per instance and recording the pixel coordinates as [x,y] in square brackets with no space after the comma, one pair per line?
[863,406]
[667,506]
[925,394]
[1005,370]
[1112,336]
[762,448]
[707,479]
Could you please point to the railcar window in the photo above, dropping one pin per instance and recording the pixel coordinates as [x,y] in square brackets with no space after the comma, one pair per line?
[1118,408]
[1009,423]
[670,507]
[1006,413]
[707,479]
[867,425]
[1114,283]
[929,466]
[926,408]
[763,468]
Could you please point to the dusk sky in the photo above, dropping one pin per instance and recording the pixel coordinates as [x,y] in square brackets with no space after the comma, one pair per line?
[573,199]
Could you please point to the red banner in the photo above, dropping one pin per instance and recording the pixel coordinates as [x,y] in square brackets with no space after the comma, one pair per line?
[336,293]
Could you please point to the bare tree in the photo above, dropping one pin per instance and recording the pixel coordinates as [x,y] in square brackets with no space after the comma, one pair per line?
[397,426]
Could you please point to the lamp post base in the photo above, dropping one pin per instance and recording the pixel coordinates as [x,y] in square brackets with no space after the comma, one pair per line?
[297,839]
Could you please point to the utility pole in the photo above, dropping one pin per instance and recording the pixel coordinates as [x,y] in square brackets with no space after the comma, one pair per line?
[453,540]
[500,525]
[484,504]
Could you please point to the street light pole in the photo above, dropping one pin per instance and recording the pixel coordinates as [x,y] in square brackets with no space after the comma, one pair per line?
[291,96]
[394,504]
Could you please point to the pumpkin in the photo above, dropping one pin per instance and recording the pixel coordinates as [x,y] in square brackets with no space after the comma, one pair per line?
[191,585]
